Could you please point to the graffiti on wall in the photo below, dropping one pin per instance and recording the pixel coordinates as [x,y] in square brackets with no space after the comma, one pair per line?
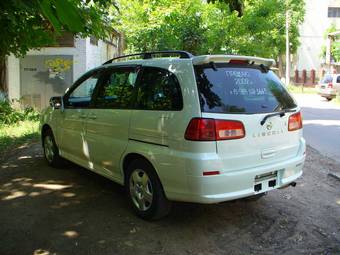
[57,66]
[44,76]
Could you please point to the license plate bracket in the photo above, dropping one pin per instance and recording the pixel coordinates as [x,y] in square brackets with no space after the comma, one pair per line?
[265,182]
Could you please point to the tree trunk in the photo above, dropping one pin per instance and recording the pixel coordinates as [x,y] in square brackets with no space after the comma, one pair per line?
[3,78]
[281,67]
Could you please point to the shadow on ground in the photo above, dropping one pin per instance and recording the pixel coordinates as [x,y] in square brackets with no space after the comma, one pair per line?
[73,211]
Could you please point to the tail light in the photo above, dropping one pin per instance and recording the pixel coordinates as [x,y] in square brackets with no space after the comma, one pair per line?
[295,121]
[201,129]
[330,85]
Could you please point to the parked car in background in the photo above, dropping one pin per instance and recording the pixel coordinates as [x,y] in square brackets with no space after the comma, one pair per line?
[329,86]
[202,129]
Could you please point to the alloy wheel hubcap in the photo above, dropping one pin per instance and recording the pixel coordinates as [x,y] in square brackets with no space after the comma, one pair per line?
[48,148]
[141,189]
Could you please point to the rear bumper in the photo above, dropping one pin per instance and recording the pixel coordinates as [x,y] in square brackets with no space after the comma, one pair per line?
[327,92]
[241,183]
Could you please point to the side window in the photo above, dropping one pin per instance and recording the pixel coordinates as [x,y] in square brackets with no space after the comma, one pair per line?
[338,79]
[81,96]
[116,89]
[159,90]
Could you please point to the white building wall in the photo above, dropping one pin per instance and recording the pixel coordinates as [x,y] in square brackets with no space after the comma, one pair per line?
[85,57]
[13,76]
[312,33]
[96,54]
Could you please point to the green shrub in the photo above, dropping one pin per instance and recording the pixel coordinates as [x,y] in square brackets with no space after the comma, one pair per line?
[31,114]
[9,115]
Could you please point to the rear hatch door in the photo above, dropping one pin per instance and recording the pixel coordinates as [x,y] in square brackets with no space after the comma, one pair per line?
[249,93]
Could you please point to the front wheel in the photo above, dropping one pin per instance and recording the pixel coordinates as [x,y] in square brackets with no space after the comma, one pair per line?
[51,151]
[145,191]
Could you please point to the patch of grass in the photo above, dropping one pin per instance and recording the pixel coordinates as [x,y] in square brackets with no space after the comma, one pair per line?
[301,90]
[336,100]
[17,134]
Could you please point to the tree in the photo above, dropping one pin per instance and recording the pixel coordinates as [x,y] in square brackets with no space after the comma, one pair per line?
[29,24]
[335,46]
[210,26]
[234,5]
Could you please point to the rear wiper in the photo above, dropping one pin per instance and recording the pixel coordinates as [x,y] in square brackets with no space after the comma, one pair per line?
[280,113]
[213,66]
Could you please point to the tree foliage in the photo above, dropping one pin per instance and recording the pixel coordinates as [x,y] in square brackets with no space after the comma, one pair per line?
[28,24]
[210,26]
[335,46]
[234,5]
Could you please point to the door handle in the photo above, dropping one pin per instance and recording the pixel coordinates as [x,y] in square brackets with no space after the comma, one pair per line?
[92,117]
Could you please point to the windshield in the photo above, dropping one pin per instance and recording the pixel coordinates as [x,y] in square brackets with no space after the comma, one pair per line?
[225,88]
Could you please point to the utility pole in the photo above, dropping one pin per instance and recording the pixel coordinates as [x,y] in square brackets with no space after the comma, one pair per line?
[287,48]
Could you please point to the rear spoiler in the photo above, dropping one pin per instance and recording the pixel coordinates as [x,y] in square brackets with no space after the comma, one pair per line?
[205,59]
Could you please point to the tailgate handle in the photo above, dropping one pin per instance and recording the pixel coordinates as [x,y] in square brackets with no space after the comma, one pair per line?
[268,153]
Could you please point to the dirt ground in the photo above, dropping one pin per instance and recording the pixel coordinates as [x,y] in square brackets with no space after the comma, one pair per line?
[73,211]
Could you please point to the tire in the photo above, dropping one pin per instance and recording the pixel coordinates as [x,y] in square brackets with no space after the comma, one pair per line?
[329,98]
[145,191]
[51,151]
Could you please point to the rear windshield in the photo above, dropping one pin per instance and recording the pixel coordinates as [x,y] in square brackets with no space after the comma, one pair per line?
[327,79]
[224,88]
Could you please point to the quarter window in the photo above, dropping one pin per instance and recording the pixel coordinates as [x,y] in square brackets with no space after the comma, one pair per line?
[159,90]
[117,89]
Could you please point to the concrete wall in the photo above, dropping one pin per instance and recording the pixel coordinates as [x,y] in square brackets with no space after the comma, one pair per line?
[312,33]
[85,57]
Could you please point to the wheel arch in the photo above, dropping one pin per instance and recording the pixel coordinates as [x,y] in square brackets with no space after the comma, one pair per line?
[130,157]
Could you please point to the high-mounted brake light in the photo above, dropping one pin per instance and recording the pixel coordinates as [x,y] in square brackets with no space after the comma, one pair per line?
[330,85]
[238,61]
[203,129]
[295,121]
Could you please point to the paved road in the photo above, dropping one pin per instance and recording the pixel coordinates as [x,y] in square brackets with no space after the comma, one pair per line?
[321,124]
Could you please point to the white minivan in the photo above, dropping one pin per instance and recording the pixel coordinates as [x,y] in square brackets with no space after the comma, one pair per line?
[203,129]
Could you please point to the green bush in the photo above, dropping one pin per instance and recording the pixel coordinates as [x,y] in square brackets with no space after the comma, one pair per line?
[31,114]
[9,115]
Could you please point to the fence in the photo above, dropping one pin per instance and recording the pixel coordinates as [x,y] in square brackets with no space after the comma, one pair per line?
[306,78]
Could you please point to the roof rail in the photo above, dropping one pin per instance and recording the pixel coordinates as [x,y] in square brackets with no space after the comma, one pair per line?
[148,55]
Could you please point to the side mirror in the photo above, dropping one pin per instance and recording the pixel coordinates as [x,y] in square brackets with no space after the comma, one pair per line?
[56,102]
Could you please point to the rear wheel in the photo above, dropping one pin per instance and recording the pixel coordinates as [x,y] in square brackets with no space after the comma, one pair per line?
[145,191]
[51,151]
